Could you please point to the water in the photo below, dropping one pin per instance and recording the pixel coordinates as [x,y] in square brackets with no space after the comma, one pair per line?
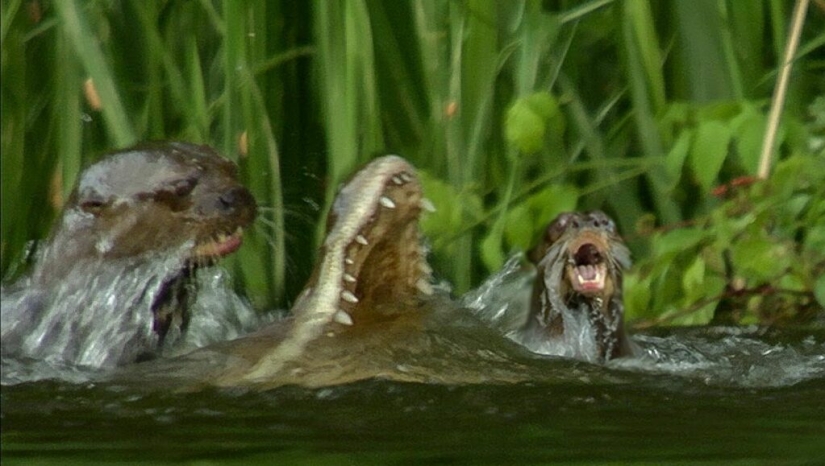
[713,395]
[75,333]
[653,420]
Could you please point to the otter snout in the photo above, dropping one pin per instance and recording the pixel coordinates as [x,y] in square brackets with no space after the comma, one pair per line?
[237,201]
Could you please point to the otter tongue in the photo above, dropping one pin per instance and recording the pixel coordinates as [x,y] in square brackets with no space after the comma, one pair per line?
[589,278]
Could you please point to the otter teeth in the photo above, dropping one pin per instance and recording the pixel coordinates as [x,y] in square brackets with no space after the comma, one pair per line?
[347,296]
[342,318]
[590,275]
[360,239]
[427,204]
[387,202]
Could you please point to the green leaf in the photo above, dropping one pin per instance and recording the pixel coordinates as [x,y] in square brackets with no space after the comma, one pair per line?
[543,104]
[673,121]
[673,242]
[521,225]
[454,209]
[749,130]
[524,128]
[693,279]
[712,287]
[760,258]
[815,241]
[637,297]
[527,220]
[710,147]
[527,121]
[819,290]
[491,253]
[675,159]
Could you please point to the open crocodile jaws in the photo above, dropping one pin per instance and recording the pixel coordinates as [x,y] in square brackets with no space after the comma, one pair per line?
[372,255]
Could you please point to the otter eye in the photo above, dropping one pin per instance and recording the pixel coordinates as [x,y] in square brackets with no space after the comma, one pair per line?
[601,220]
[92,203]
[93,206]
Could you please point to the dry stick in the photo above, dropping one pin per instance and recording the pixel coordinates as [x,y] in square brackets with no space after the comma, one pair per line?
[778,100]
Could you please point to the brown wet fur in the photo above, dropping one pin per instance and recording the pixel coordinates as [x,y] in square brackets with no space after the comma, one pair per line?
[138,204]
[596,233]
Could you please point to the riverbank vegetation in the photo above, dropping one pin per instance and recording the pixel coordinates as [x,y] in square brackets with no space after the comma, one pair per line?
[514,111]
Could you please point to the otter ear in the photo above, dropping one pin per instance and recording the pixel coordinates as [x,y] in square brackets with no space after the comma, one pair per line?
[557,227]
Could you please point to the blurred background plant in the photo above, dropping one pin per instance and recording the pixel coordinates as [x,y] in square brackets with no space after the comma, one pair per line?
[514,111]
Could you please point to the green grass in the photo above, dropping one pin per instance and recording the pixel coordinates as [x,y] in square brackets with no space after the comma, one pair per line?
[647,106]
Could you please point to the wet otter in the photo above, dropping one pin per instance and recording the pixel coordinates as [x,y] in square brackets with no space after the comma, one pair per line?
[112,283]
[368,310]
[568,300]
[577,305]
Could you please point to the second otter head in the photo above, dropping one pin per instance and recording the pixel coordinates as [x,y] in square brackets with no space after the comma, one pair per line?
[171,198]
[577,294]
[591,250]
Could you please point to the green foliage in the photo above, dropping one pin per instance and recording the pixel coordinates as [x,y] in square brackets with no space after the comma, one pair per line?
[528,120]
[514,110]
[757,256]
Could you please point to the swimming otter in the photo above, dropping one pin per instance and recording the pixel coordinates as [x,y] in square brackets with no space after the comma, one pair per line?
[112,283]
[368,310]
[567,300]
[577,308]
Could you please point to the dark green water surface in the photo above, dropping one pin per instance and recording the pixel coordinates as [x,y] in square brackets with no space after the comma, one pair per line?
[652,419]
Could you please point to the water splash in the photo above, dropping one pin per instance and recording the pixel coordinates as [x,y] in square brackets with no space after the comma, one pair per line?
[94,321]
[731,356]
[721,356]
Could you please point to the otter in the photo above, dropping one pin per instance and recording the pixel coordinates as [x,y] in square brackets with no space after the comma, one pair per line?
[369,310]
[113,282]
[577,308]
[566,299]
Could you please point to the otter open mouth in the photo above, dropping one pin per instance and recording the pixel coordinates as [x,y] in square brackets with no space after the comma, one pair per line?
[220,245]
[587,264]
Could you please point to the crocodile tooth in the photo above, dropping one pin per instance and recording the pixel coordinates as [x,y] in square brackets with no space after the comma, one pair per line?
[397,180]
[347,295]
[360,239]
[342,318]
[349,278]
[387,202]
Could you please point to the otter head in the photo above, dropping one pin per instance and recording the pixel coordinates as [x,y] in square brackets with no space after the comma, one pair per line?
[156,210]
[166,198]
[579,284]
